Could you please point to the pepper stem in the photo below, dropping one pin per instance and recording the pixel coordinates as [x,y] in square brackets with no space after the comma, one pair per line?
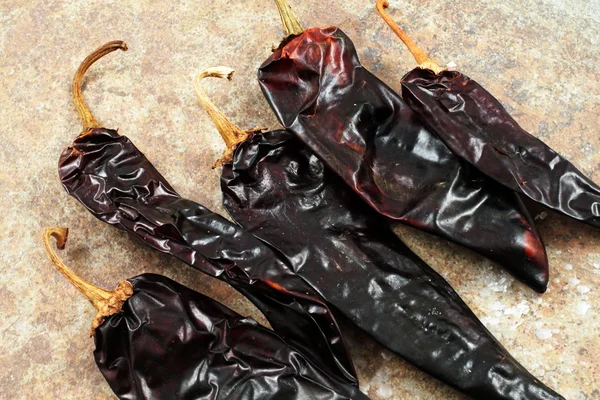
[422,59]
[87,118]
[106,302]
[291,23]
[231,134]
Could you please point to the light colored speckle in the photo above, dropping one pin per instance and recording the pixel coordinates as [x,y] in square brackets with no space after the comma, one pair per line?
[582,308]
[541,215]
[518,323]
[558,252]
[365,389]
[498,285]
[569,267]
[381,376]
[386,355]
[451,64]
[596,265]
[543,333]
[434,311]
[520,309]
[574,281]
[490,321]
[583,289]
[385,391]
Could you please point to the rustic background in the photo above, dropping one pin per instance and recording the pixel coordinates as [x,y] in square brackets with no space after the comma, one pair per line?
[540,58]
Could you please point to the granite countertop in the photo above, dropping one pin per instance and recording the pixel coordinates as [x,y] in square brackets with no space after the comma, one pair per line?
[540,58]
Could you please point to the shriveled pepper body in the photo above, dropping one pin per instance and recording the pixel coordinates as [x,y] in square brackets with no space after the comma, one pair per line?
[476,127]
[170,342]
[108,175]
[367,135]
[282,193]
[157,339]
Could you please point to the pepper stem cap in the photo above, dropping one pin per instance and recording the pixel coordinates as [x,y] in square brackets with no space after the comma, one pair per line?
[231,134]
[106,302]
[291,23]
[422,59]
[84,112]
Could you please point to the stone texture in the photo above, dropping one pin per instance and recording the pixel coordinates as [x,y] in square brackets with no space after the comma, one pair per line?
[538,57]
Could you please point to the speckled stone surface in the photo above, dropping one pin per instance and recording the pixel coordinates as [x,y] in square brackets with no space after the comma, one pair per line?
[540,58]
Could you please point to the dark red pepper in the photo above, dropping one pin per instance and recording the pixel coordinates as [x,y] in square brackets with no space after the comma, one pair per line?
[367,135]
[477,128]
[276,188]
[106,173]
[157,339]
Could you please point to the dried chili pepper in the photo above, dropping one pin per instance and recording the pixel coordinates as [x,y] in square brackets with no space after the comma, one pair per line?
[477,128]
[276,188]
[367,135]
[157,339]
[106,173]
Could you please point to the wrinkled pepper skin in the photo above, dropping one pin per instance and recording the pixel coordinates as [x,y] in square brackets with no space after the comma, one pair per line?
[280,191]
[367,135]
[106,173]
[170,342]
[476,127]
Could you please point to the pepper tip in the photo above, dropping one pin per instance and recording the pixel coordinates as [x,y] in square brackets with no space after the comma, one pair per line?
[540,283]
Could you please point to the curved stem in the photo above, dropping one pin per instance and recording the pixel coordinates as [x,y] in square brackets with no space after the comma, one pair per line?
[87,118]
[93,293]
[231,134]
[291,23]
[422,59]
[106,302]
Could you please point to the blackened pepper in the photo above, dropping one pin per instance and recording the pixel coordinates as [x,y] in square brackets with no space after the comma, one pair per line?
[276,188]
[107,174]
[477,128]
[367,134]
[157,339]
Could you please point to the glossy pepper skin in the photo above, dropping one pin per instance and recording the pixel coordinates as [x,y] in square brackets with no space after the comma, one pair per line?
[157,339]
[366,134]
[281,192]
[170,342]
[476,127]
[106,173]
[109,176]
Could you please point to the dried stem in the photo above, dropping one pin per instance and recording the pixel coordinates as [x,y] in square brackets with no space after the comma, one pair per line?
[106,302]
[291,23]
[87,118]
[422,59]
[231,134]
